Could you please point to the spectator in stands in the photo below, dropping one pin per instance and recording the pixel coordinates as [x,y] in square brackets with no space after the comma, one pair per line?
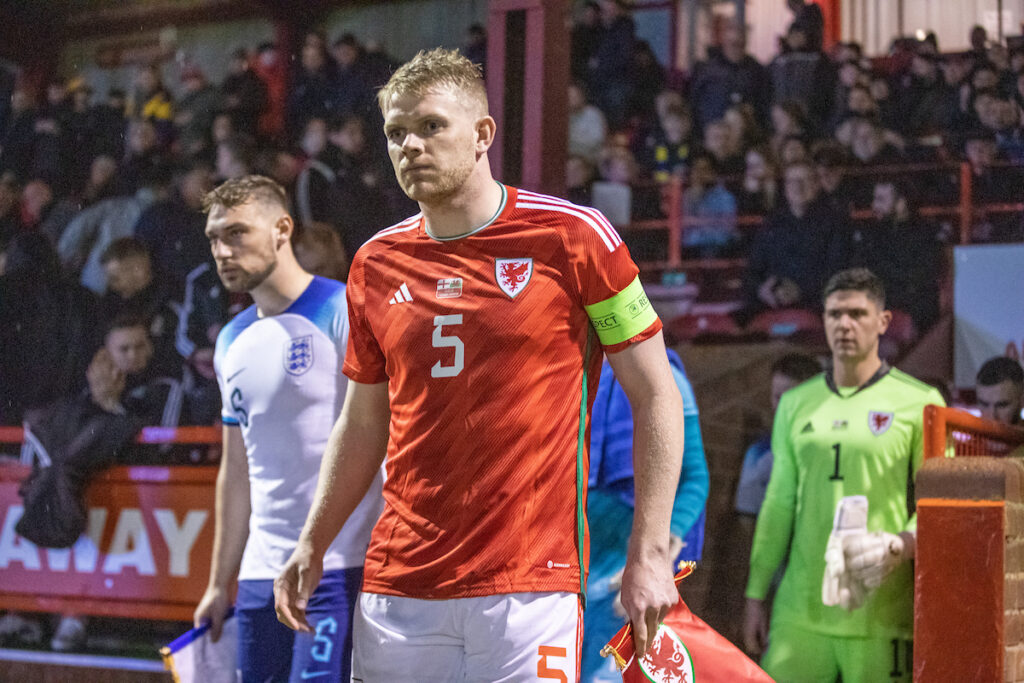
[869,145]
[928,105]
[319,251]
[77,137]
[885,101]
[648,79]
[42,211]
[579,176]
[243,94]
[361,185]
[312,91]
[92,429]
[794,151]
[830,160]
[172,227]
[102,181]
[108,125]
[804,76]
[979,41]
[787,372]
[152,101]
[586,35]
[272,68]
[728,76]
[759,192]
[48,328]
[666,150]
[133,290]
[744,132]
[991,184]
[610,78]
[91,231]
[1007,126]
[18,139]
[710,210]
[791,257]
[808,23]
[142,152]
[194,112]
[587,126]
[999,388]
[719,143]
[902,250]
[352,94]
[49,151]
[788,119]
[235,157]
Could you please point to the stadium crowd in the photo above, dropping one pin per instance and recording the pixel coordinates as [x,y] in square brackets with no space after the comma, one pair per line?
[110,299]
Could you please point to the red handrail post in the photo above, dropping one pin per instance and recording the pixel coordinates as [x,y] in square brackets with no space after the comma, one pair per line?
[966,202]
[675,222]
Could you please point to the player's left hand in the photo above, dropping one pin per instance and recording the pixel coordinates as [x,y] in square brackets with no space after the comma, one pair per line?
[872,556]
[648,593]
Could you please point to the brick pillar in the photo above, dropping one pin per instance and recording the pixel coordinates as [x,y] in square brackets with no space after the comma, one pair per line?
[969,570]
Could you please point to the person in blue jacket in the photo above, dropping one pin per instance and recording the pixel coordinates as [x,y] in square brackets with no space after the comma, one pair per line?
[610,509]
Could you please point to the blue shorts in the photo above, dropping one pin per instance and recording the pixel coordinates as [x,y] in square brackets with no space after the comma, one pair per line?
[270,651]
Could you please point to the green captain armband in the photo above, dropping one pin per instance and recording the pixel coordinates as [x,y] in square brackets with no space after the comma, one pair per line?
[623,316]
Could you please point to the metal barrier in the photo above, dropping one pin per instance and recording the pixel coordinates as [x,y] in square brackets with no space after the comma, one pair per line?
[148,543]
[948,430]
[676,222]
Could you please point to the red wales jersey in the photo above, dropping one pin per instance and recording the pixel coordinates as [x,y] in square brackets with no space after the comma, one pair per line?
[490,346]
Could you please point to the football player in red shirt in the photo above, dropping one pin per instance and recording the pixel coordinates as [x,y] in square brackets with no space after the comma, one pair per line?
[477,332]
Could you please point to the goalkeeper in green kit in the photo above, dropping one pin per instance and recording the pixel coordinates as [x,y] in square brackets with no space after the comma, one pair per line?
[847,444]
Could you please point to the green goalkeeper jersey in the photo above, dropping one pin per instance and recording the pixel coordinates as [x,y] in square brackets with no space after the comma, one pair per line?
[829,442]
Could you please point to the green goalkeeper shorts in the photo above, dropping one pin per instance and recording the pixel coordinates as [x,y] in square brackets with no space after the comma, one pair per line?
[797,655]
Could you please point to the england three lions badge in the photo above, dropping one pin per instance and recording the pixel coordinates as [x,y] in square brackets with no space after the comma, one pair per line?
[513,274]
[298,355]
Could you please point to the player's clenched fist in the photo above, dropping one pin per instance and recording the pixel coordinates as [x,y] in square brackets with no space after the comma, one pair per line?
[292,588]
[648,593]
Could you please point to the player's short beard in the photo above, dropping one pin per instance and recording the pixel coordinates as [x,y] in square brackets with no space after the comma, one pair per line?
[251,281]
[448,183]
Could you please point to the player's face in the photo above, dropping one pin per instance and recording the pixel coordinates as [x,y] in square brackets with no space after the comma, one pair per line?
[243,240]
[1000,402]
[130,348]
[853,324]
[432,142]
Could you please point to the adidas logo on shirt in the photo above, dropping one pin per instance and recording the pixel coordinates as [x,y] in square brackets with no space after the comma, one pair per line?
[808,428]
[401,296]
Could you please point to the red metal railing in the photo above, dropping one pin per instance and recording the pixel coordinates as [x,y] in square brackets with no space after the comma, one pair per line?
[948,430]
[676,222]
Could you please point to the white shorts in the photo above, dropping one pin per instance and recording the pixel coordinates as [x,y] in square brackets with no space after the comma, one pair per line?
[506,638]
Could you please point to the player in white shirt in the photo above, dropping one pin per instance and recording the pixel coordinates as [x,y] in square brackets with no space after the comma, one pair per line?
[278,364]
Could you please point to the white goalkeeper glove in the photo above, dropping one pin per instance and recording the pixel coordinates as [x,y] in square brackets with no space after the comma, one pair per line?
[872,556]
[838,587]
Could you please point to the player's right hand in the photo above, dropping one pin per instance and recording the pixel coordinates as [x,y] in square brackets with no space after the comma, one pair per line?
[292,588]
[212,608]
[755,626]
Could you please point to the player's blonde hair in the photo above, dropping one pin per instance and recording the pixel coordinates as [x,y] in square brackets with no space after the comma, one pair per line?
[433,70]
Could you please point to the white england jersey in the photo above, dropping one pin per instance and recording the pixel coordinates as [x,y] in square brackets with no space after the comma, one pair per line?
[281,383]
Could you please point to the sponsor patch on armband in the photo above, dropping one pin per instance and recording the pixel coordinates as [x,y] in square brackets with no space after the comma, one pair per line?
[623,316]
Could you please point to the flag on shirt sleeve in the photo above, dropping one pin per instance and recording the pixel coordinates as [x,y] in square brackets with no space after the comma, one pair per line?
[685,650]
[193,658]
